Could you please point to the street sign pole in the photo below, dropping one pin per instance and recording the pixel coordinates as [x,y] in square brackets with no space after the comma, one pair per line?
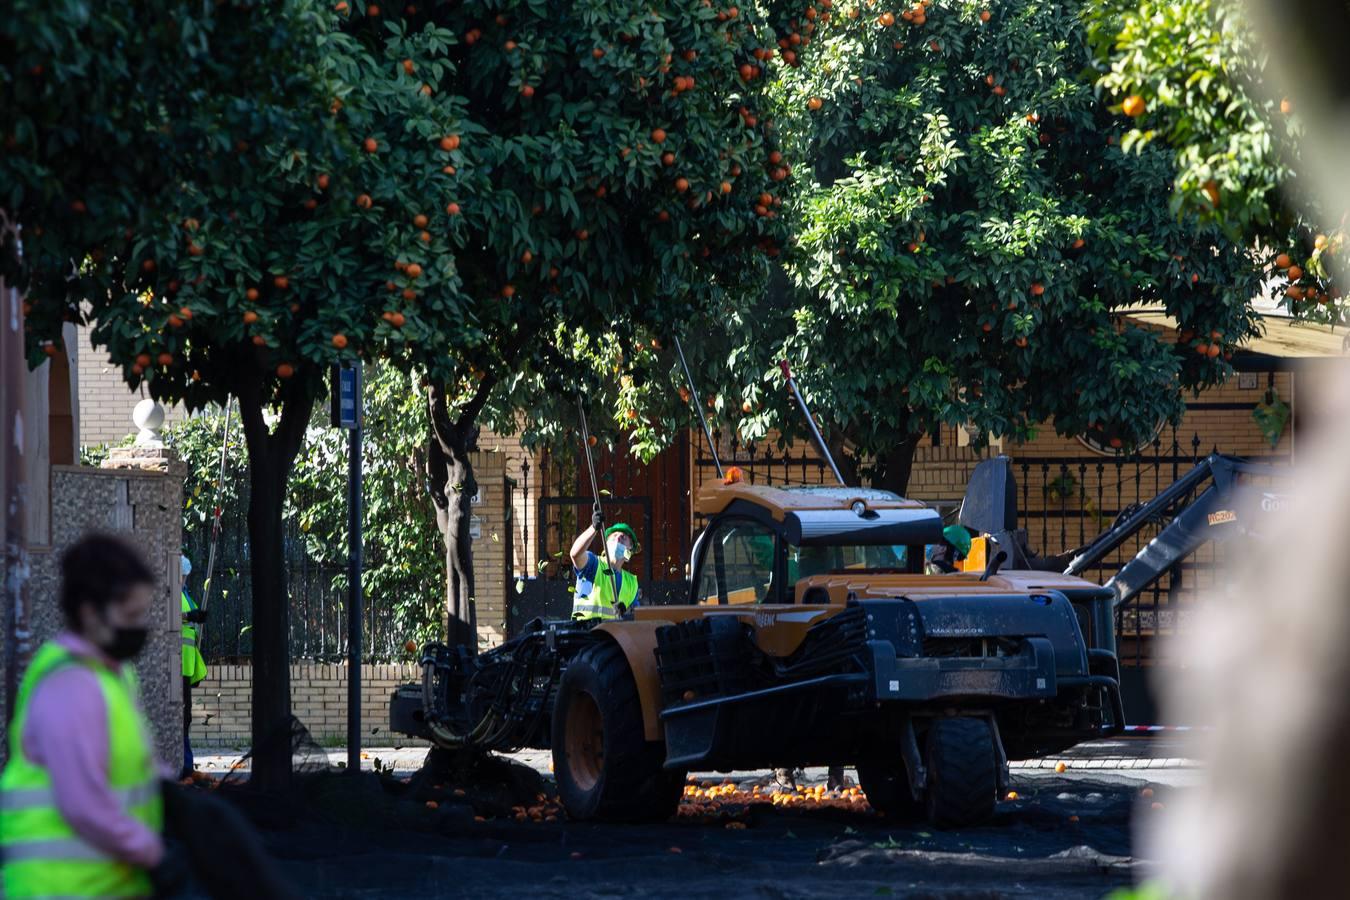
[347,410]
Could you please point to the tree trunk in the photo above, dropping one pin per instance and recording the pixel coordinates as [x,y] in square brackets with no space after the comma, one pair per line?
[452,488]
[271,455]
[893,467]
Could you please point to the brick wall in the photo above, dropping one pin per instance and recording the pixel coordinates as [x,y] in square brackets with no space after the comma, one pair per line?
[221,704]
[105,400]
[489,548]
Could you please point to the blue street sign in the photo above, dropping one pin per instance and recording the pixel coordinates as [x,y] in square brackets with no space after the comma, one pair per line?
[346,400]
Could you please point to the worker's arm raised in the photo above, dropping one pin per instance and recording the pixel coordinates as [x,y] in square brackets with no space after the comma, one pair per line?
[583,542]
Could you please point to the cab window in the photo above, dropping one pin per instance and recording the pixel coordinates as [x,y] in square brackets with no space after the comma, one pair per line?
[738,563]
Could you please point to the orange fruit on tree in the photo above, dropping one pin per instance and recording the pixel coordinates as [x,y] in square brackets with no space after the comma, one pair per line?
[814,103]
[410,646]
[1283,261]
[364,201]
[142,359]
[372,10]
[250,317]
[425,237]
[259,340]
[659,135]
[371,145]
[450,142]
[726,187]
[583,234]
[397,319]
[1295,273]
[1078,243]
[632,414]
[1286,106]
[281,282]
[746,407]
[667,158]
[886,19]
[339,340]
[1037,289]
[1020,342]
[681,184]
[175,321]
[985,15]
[1134,106]
[409,294]
[251,294]
[322,182]
[452,209]
[408,66]
[285,370]
[509,291]
[527,90]
[341,6]
[419,221]
[413,270]
[527,257]
[1211,190]
[592,440]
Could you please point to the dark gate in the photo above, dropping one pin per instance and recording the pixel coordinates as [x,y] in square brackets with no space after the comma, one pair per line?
[1066,502]
[653,498]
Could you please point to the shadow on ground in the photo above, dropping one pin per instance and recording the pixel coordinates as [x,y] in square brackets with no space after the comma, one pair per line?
[486,832]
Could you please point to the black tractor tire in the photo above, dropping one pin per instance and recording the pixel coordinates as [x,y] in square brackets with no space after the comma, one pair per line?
[962,772]
[606,768]
[886,784]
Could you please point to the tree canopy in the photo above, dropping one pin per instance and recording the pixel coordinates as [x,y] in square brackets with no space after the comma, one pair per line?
[971,236]
[1191,76]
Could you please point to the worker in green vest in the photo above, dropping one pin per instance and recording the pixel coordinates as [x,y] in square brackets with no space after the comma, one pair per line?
[605,588]
[194,667]
[80,805]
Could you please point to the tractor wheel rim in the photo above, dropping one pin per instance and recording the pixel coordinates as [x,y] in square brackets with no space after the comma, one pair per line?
[585,741]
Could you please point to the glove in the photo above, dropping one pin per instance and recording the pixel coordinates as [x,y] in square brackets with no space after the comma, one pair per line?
[196,616]
[597,519]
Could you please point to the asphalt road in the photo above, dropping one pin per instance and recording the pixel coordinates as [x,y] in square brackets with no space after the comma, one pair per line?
[1065,835]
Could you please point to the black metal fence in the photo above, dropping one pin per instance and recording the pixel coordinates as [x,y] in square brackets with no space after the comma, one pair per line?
[1067,502]
[317,592]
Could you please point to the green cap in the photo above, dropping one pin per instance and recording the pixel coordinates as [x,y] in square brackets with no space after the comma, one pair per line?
[626,529]
[958,537]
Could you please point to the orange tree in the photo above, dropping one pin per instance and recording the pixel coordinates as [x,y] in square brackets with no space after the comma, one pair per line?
[501,197]
[1190,75]
[171,165]
[972,235]
[599,179]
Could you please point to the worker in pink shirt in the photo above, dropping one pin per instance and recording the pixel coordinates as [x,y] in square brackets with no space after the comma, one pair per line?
[80,805]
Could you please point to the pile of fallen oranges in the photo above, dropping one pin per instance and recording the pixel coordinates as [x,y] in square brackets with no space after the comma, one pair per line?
[711,802]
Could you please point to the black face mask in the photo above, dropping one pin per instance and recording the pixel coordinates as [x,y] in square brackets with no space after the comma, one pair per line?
[126,642]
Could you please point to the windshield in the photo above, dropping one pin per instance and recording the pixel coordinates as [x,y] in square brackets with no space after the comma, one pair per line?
[804,562]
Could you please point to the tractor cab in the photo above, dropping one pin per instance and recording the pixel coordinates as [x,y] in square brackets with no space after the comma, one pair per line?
[766,544]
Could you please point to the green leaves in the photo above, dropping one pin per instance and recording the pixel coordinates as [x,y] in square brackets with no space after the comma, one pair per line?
[974,238]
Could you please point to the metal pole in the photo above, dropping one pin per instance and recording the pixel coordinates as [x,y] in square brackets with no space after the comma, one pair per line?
[595,492]
[354,588]
[693,401]
[810,422]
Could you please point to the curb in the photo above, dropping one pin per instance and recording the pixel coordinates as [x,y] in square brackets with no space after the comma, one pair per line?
[1110,762]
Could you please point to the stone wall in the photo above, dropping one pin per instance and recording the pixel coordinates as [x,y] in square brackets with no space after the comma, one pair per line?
[221,704]
[143,505]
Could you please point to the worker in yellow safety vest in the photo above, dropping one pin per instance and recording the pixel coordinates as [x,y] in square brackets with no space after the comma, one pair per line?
[194,667]
[81,812]
[605,588]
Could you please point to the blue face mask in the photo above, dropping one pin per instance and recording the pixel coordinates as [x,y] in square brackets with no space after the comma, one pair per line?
[618,552]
